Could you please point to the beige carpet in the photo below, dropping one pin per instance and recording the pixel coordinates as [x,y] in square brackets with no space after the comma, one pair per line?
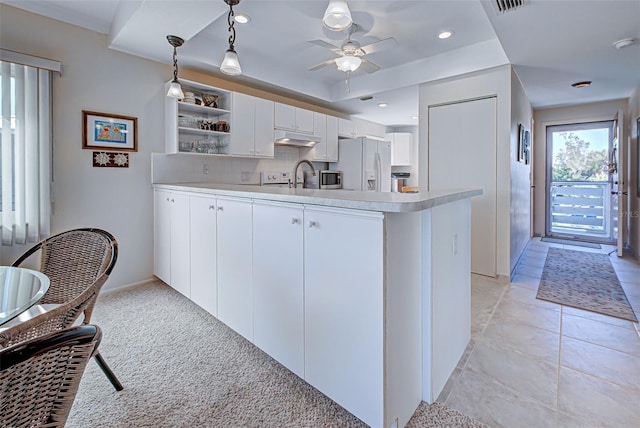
[183,368]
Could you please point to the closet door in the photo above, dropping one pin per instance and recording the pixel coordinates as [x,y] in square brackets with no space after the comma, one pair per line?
[462,154]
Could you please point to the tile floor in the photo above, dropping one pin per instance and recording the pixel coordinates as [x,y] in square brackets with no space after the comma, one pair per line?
[532,363]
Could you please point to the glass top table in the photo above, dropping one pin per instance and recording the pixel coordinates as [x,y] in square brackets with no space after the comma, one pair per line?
[20,289]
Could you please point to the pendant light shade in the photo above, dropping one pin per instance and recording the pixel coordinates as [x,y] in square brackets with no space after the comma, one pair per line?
[175,90]
[230,64]
[348,63]
[337,17]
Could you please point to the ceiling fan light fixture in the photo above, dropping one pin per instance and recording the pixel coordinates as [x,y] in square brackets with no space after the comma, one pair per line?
[230,64]
[348,63]
[175,90]
[337,17]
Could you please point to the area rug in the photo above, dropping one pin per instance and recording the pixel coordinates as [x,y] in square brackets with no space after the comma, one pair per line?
[570,242]
[585,281]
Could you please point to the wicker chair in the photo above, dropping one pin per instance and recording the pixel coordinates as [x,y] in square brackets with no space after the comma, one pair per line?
[39,378]
[78,263]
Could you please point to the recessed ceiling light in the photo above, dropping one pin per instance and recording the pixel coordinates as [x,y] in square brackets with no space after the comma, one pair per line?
[583,84]
[623,43]
[445,34]
[242,18]
[382,104]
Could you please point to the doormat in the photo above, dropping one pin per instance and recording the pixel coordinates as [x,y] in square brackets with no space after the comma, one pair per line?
[585,281]
[570,242]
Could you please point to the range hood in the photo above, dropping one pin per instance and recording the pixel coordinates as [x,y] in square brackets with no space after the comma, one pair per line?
[293,139]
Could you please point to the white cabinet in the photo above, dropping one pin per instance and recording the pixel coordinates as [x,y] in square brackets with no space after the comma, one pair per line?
[366,128]
[401,143]
[293,118]
[162,235]
[193,128]
[204,286]
[254,134]
[325,127]
[171,239]
[346,128]
[278,287]
[235,261]
[344,308]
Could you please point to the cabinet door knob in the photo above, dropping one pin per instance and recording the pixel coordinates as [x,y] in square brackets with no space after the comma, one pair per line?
[172,200]
[219,208]
[168,200]
[211,207]
[294,220]
[312,223]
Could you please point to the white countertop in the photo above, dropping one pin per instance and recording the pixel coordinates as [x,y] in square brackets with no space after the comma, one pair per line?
[370,201]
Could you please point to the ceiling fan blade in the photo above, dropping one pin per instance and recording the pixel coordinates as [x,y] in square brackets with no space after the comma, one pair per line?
[368,66]
[387,43]
[322,64]
[325,45]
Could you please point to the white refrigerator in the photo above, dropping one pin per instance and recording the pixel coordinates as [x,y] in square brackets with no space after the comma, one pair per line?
[365,164]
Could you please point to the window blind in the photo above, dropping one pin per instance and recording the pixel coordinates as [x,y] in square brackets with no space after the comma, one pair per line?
[25,153]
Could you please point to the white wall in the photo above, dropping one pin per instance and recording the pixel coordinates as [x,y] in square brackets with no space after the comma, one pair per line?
[520,233]
[633,145]
[563,115]
[97,79]
[491,82]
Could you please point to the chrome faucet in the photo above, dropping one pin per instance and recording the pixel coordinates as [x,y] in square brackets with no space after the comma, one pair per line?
[295,171]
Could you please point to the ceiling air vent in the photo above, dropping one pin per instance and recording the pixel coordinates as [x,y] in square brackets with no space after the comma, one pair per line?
[507,5]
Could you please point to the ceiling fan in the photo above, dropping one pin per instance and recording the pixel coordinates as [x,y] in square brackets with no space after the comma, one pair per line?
[351,54]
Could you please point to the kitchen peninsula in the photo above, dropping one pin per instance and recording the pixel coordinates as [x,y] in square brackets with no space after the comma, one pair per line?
[365,295]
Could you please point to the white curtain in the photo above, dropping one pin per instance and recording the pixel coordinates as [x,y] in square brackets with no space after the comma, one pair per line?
[25,155]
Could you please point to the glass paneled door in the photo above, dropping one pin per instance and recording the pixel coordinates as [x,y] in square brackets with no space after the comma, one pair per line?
[579,203]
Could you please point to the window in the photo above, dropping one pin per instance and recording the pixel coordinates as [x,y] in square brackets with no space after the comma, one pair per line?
[25,151]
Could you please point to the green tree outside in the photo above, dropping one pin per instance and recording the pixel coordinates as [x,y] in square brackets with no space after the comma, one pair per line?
[577,162]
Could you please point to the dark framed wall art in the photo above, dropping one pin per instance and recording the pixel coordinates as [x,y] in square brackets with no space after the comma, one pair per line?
[638,157]
[109,132]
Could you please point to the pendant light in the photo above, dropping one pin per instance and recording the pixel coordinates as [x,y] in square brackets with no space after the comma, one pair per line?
[337,17]
[175,90]
[230,64]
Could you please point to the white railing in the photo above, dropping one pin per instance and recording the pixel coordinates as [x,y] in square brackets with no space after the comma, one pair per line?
[580,207]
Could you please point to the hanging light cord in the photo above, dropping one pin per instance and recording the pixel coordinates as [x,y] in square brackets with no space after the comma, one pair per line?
[232,30]
[347,81]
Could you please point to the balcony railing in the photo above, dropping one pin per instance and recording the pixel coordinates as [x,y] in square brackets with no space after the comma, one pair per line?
[580,208]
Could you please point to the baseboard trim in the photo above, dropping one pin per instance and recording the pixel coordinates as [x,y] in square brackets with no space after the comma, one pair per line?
[128,286]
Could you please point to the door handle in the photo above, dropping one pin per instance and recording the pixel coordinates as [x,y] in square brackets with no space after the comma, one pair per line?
[312,223]
[620,193]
